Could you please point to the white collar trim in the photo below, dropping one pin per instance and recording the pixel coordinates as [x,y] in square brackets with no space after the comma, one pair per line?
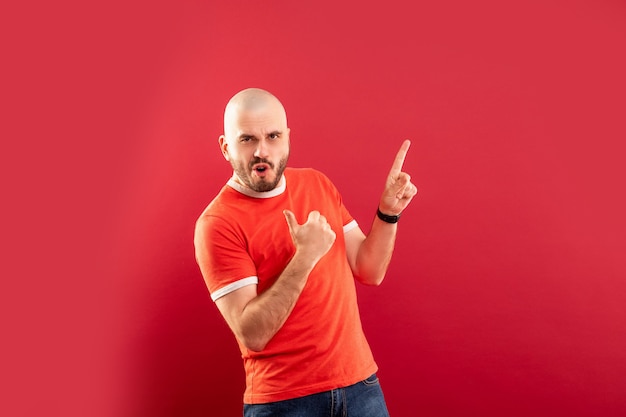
[280,188]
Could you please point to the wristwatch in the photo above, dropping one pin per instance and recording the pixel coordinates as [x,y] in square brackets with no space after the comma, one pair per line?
[387,218]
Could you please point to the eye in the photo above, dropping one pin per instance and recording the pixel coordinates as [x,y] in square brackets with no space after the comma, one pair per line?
[274,135]
[246,138]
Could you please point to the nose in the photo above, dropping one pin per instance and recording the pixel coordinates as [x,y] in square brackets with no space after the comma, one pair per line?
[262,149]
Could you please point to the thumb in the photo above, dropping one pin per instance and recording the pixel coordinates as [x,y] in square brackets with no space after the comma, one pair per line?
[401,184]
[291,220]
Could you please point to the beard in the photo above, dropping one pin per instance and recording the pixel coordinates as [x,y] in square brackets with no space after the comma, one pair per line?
[244,173]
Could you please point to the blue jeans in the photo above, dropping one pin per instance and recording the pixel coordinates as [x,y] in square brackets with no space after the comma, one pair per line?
[363,399]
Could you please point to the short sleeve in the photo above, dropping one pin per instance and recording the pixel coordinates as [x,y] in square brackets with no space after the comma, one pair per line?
[348,222]
[221,253]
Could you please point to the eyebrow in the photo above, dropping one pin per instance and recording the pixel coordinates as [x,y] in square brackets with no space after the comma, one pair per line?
[250,135]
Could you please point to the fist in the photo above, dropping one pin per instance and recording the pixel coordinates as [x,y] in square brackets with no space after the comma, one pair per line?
[314,238]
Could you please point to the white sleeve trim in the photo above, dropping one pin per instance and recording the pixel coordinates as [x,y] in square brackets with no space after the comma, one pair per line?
[234,286]
[350,226]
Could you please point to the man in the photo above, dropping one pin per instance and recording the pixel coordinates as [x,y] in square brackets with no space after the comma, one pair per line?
[280,253]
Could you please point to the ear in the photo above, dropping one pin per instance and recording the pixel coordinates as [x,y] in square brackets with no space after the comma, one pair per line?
[224,147]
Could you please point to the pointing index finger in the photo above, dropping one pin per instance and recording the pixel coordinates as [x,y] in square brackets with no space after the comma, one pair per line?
[396,168]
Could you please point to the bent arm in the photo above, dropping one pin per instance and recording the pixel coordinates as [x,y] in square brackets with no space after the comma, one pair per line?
[369,257]
[255,319]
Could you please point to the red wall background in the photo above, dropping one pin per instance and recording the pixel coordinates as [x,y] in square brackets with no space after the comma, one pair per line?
[507,292]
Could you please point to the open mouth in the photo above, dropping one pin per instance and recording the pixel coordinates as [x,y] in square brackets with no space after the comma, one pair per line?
[261,169]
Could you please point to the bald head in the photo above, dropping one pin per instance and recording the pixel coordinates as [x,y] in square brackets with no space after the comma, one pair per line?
[252,101]
[256,139]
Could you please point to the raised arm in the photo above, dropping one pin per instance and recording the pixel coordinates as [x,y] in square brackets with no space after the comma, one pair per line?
[255,318]
[369,256]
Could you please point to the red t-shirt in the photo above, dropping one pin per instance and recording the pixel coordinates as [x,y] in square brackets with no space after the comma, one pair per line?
[242,238]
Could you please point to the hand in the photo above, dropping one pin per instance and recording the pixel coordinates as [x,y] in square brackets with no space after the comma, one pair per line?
[314,238]
[399,191]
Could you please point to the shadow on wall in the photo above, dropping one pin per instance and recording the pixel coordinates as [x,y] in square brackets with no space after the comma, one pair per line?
[184,359]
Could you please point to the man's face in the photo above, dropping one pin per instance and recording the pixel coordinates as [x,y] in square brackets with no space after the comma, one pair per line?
[256,143]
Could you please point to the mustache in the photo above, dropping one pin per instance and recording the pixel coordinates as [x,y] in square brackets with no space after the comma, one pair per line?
[257,160]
